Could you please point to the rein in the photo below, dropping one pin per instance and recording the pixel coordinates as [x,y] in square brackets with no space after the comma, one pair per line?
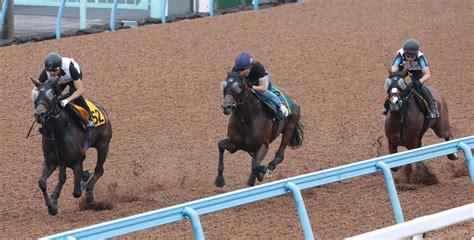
[248,98]
[403,111]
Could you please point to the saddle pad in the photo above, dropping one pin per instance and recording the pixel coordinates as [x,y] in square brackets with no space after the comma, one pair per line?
[273,107]
[97,115]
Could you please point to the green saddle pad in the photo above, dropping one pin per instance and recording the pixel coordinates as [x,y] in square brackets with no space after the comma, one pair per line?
[285,100]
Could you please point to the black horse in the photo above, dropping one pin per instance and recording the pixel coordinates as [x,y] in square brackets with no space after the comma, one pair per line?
[252,129]
[405,124]
[64,141]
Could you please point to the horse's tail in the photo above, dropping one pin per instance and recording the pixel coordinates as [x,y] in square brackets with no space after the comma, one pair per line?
[298,136]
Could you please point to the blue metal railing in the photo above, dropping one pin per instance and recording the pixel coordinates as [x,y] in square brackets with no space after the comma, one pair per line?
[256,2]
[2,16]
[196,208]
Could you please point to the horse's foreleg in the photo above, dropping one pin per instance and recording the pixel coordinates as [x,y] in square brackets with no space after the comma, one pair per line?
[393,148]
[102,152]
[258,170]
[42,183]
[59,186]
[77,180]
[223,145]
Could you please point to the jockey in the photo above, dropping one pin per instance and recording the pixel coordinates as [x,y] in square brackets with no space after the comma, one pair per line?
[258,77]
[69,74]
[409,56]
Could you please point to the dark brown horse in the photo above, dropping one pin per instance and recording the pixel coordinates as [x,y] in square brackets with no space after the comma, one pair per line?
[64,143]
[405,124]
[250,129]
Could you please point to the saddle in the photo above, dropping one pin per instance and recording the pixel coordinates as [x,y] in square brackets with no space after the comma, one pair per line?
[80,112]
[421,102]
[272,108]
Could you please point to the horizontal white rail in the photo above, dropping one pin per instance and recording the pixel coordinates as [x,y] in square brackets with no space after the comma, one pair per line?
[421,225]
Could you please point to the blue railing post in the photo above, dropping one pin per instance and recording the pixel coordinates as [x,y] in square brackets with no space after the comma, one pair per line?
[468,156]
[211,8]
[112,16]
[299,1]
[255,5]
[298,198]
[2,16]
[59,18]
[195,222]
[82,14]
[392,191]
[164,5]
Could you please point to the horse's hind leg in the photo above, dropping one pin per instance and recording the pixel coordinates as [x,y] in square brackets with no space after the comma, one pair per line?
[448,137]
[45,173]
[59,186]
[280,154]
[441,129]
[223,145]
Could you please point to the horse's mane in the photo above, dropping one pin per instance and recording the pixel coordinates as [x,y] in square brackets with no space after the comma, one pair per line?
[396,74]
[233,74]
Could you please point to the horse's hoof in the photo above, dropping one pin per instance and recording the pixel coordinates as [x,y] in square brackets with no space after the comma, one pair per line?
[395,169]
[260,176]
[52,210]
[219,182]
[452,156]
[268,174]
[77,194]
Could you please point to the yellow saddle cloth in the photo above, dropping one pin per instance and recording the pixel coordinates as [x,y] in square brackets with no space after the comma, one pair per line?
[97,115]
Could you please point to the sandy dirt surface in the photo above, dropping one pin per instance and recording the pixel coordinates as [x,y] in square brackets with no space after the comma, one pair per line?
[160,84]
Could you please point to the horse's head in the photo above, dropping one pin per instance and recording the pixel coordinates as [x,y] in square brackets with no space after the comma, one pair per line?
[395,86]
[234,89]
[45,99]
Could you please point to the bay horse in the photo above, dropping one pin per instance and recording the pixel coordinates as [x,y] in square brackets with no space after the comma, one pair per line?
[251,129]
[405,123]
[64,144]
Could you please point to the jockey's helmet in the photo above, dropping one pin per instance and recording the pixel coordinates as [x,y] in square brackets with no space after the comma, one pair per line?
[243,61]
[53,61]
[411,47]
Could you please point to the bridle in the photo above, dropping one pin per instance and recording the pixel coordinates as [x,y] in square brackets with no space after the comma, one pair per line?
[49,115]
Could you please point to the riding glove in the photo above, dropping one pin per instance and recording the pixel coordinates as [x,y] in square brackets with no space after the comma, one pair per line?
[64,102]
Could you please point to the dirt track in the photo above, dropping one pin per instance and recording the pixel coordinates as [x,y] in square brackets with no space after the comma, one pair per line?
[160,85]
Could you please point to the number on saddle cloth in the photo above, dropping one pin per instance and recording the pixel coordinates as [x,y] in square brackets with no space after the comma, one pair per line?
[97,115]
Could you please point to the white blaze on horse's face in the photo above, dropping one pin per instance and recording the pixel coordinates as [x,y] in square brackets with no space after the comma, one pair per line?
[395,101]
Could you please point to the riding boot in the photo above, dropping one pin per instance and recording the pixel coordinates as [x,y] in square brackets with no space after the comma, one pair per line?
[432,111]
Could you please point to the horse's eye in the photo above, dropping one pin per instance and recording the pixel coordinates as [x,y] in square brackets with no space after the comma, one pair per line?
[49,94]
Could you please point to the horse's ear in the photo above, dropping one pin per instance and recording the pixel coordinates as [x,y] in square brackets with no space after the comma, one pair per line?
[36,83]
